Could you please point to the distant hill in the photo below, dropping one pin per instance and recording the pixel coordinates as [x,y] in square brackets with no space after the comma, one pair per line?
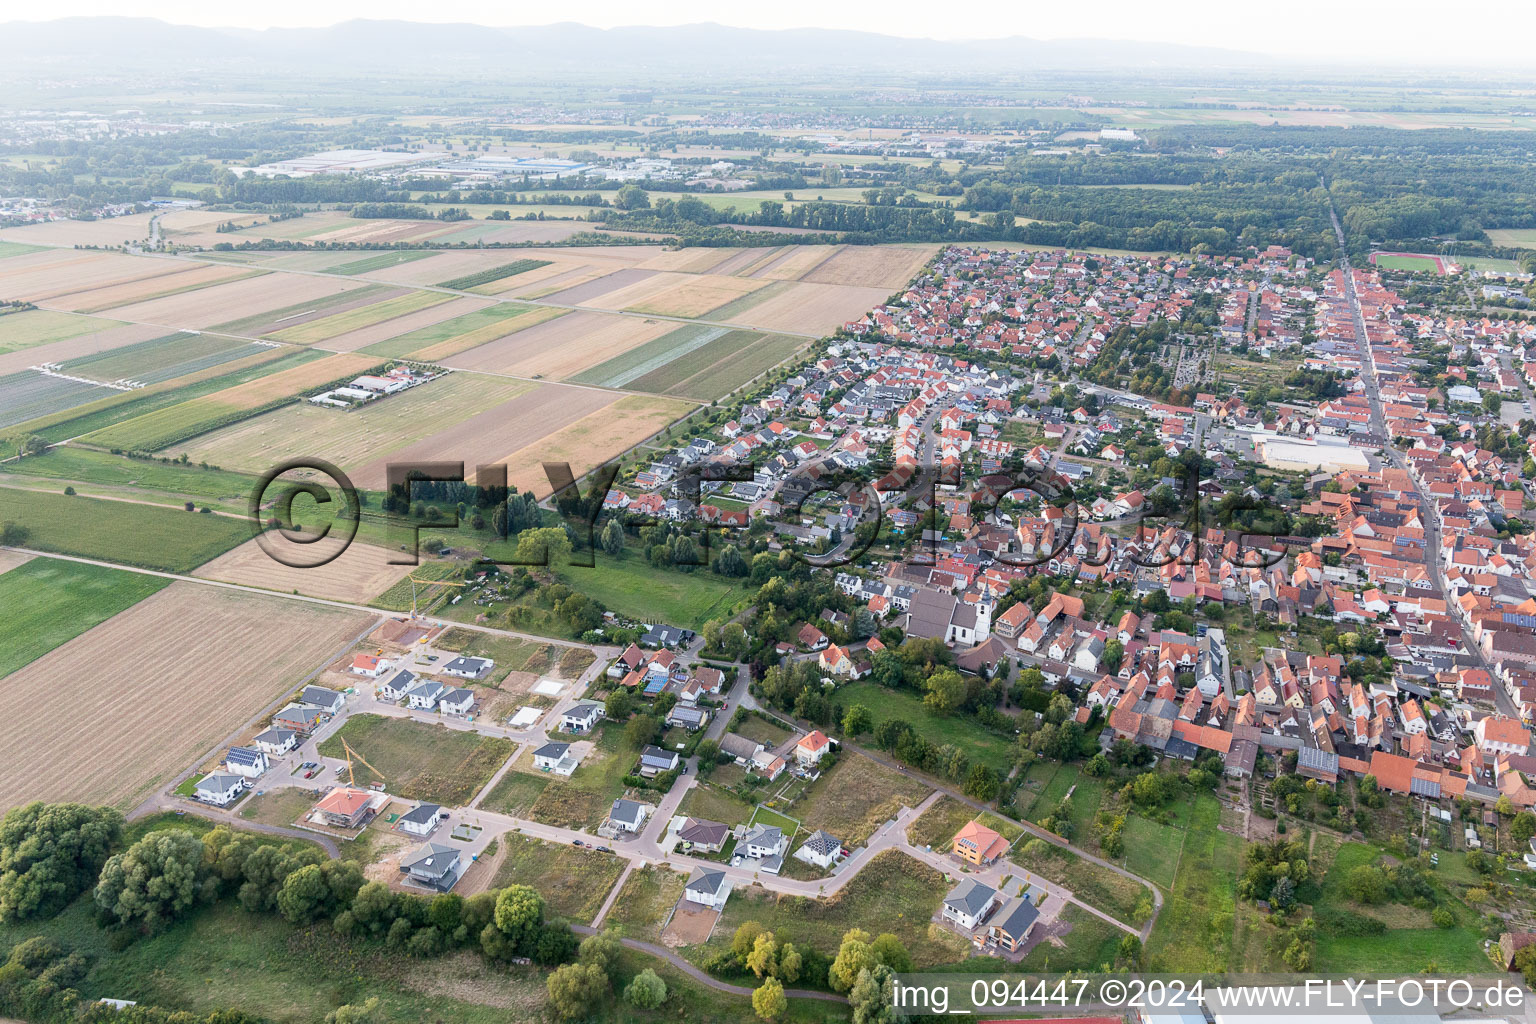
[706,47]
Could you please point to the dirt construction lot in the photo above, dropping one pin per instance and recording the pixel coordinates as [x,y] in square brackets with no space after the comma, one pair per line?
[127,705]
[690,925]
[356,575]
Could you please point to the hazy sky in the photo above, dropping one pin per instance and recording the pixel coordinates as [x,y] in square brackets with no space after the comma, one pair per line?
[1498,31]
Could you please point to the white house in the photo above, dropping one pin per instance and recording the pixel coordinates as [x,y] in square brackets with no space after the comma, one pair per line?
[394,690]
[247,761]
[811,748]
[627,815]
[581,717]
[219,788]
[425,695]
[456,701]
[370,665]
[420,821]
[822,849]
[707,886]
[555,757]
[276,741]
[468,668]
[967,903]
[762,841]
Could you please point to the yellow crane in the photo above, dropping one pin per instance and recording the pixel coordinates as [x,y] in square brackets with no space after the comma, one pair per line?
[425,582]
[351,780]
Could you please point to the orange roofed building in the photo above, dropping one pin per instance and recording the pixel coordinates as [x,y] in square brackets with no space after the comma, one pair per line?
[977,844]
[346,807]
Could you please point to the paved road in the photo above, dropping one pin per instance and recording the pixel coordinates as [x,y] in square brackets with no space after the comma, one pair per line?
[1432,540]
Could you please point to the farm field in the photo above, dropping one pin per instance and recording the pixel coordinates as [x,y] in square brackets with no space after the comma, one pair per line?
[385,330]
[50,602]
[380,261]
[117,531]
[363,316]
[213,307]
[107,231]
[447,338]
[593,439]
[351,437]
[45,275]
[186,277]
[857,796]
[492,275]
[149,479]
[888,267]
[793,262]
[438,265]
[1522,237]
[151,715]
[671,294]
[529,414]
[162,359]
[562,347]
[308,298]
[720,366]
[420,761]
[807,308]
[29,394]
[35,327]
[355,576]
[100,336]
[573,880]
[163,427]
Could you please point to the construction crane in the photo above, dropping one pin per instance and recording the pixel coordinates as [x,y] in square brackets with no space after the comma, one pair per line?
[351,779]
[437,583]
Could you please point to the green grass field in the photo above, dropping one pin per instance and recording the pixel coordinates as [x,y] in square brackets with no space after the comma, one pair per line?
[17,249]
[50,602]
[468,282]
[382,261]
[634,588]
[360,317]
[418,760]
[1097,886]
[119,531]
[143,478]
[1194,932]
[467,331]
[982,746]
[1404,261]
[573,880]
[711,803]
[34,327]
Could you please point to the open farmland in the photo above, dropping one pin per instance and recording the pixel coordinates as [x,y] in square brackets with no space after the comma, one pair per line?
[672,294]
[378,261]
[151,536]
[44,326]
[99,336]
[449,337]
[352,437]
[418,760]
[520,422]
[213,308]
[153,712]
[719,366]
[27,395]
[106,231]
[593,439]
[794,262]
[162,427]
[310,298]
[363,316]
[493,274]
[162,359]
[358,573]
[872,266]
[807,308]
[42,277]
[49,602]
[562,347]
[187,277]
[437,266]
[424,318]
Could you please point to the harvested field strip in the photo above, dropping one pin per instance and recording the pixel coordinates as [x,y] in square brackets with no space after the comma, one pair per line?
[591,291]
[162,427]
[872,266]
[99,299]
[35,327]
[356,575]
[163,359]
[50,602]
[119,405]
[693,296]
[355,437]
[807,308]
[564,347]
[493,274]
[745,302]
[136,721]
[797,262]
[382,261]
[120,271]
[362,316]
[484,325]
[8,249]
[251,324]
[592,439]
[149,536]
[30,395]
[721,366]
[637,362]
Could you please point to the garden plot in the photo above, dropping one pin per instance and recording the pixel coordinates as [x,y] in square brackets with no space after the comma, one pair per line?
[564,347]
[493,435]
[153,688]
[358,573]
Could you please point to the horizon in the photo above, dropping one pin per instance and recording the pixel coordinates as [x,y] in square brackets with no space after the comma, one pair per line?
[1403,40]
